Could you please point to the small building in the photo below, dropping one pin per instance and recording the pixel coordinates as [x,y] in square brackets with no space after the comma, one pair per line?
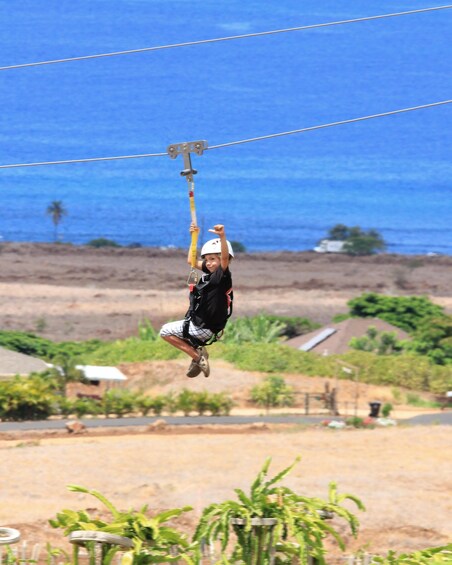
[13,363]
[95,374]
[330,246]
[334,339]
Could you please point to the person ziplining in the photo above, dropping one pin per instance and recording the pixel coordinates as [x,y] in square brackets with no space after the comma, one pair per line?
[211,296]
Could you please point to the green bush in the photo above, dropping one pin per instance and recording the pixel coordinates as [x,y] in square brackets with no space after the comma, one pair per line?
[119,401]
[31,344]
[131,350]
[272,392]
[186,401]
[405,312]
[256,329]
[146,331]
[29,398]
[294,325]
[86,406]
[102,242]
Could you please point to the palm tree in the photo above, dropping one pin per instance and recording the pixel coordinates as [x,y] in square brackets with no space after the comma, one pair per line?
[65,372]
[56,211]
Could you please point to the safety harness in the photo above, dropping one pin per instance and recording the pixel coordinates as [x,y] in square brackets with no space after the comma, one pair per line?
[196,294]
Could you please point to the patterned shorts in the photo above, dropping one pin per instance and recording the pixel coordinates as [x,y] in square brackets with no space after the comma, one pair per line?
[177,329]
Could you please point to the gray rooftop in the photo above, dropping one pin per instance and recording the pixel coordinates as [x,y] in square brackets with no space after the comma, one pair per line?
[13,363]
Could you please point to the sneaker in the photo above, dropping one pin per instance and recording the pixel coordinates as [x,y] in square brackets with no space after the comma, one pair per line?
[203,364]
[203,351]
[193,370]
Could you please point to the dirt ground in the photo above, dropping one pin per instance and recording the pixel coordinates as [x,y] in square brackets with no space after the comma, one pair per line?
[76,292]
[402,473]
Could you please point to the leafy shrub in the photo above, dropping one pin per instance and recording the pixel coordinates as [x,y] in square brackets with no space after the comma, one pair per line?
[86,406]
[433,338]
[299,525]
[273,391]
[257,329]
[381,343]
[118,401]
[153,541]
[146,331]
[357,241]
[386,410]
[186,401]
[238,247]
[102,242]
[406,312]
[31,344]
[28,344]
[294,325]
[430,556]
[131,350]
[29,398]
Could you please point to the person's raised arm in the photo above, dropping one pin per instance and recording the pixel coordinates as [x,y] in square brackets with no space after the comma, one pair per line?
[218,229]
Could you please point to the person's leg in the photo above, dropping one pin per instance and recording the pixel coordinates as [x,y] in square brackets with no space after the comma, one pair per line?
[182,345]
[173,333]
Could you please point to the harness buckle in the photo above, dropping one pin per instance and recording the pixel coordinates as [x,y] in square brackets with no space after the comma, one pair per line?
[192,279]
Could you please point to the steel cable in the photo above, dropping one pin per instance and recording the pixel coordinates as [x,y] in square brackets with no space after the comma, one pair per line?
[219,39]
[239,142]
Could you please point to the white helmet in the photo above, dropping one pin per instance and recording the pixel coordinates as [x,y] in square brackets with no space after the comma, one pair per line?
[214,246]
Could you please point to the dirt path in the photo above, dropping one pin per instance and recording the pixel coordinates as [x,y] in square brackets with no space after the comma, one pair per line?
[401,474]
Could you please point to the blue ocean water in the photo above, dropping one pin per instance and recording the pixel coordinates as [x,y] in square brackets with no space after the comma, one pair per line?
[393,174]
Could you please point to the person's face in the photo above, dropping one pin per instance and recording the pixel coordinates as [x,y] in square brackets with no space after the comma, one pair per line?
[213,261]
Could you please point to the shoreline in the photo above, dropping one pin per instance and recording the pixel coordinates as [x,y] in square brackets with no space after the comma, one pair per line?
[170,248]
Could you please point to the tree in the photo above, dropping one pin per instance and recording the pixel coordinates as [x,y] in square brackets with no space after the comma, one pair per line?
[273,391]
[65,371]
[405,312]
[56,211]
[339,232]
[434,339]
[381,343]
[357,241]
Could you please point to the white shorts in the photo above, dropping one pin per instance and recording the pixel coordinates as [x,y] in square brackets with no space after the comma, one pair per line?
[177,329]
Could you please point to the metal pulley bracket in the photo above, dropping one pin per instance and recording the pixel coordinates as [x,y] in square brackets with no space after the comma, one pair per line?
[185,149]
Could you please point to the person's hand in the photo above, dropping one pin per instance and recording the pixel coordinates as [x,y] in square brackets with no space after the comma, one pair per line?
[193,228]
[218,229]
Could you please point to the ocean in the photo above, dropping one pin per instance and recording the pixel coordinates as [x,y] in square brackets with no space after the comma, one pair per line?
[392,174]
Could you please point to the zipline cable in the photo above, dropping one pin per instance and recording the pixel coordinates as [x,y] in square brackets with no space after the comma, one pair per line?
[239,142]
[331,124]
[218,39]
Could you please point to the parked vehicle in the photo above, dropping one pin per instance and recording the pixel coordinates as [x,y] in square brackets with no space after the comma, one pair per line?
[330,246]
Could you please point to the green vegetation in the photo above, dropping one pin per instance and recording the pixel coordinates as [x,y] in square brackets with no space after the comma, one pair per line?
[30,398]
[357,241]
[433,338]
[153,540]
[429,327]
[431,556]
[297,527]
[56,211]
[39,396]
[31,344]
[266,328]
[238,247]
[406,312]
[102,242]
[273,391]
[381,343]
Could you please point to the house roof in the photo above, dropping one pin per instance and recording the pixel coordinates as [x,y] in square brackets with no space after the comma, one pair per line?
[95,373]
[333,339]
[14,363]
